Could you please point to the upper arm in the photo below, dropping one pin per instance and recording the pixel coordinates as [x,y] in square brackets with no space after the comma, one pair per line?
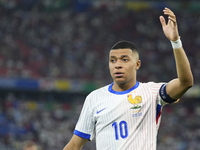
[175,90]
[76,143]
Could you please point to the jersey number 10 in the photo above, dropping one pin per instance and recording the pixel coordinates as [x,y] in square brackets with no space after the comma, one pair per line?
[122,129]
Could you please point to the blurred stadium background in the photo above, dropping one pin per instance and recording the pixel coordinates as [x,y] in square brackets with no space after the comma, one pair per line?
[54,52]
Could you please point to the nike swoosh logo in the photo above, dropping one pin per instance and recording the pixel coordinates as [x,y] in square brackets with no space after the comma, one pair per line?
[101,110]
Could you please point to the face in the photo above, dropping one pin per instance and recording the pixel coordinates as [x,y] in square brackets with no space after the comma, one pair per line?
[123,64]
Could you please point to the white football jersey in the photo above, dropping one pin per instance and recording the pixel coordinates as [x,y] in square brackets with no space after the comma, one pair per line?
[122,120]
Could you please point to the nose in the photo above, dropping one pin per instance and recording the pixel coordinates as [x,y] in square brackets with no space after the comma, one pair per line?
[118,65]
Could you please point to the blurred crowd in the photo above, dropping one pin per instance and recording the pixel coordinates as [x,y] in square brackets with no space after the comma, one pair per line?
[74,43]
[47,122]
[50,123]
[179,129]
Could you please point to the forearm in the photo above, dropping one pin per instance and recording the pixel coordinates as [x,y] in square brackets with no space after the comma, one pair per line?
[183,67]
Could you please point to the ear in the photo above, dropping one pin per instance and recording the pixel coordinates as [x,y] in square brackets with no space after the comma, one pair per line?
[138,64]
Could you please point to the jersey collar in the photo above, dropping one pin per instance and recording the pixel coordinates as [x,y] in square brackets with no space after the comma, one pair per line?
[122,92]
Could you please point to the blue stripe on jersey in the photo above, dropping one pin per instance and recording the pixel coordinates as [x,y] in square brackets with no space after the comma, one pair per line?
[81,134]
[158,109]
[122,92]
[158,112]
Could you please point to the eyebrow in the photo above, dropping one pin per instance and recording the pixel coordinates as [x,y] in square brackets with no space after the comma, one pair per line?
[122,56]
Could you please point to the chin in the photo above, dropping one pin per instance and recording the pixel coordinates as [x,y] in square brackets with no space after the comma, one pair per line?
[120,81]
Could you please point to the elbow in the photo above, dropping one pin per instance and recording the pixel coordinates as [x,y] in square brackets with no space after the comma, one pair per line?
[191,83]
[188,84]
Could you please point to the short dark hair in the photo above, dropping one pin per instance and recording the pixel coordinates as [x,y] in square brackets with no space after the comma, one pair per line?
[124,45]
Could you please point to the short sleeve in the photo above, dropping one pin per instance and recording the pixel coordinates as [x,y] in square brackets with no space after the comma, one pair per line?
[85,125]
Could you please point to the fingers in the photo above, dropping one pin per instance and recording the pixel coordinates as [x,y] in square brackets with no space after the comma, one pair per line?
[170,28]
[167,11]
[162,21]
[172,19]
[170,14]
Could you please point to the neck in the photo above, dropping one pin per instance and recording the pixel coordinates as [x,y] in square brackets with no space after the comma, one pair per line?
[123,87]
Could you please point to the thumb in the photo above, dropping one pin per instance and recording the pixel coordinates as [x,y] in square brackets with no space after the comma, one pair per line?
[162,21]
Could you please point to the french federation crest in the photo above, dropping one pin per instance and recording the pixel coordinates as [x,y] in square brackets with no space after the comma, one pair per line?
[136,101]
[137,104]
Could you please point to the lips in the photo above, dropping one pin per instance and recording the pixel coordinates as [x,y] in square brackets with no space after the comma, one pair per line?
[118,74]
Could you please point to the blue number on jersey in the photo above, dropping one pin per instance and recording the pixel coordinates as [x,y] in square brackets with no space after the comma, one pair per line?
[123,129]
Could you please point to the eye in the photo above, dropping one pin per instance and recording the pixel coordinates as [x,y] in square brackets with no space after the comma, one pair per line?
[112,60]
[125,59]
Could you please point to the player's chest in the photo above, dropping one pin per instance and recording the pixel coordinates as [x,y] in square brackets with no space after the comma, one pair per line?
[127,106]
